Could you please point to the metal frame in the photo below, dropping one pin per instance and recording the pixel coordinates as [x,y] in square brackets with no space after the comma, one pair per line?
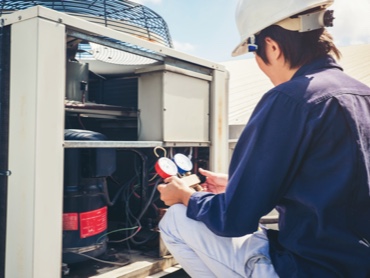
[35,188]
[36,126]
[4,140]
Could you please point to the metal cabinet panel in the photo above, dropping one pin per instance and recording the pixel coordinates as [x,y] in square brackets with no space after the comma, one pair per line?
[36,124]
[174,105]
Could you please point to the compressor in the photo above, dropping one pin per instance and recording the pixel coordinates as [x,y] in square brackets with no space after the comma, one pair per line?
[86,197]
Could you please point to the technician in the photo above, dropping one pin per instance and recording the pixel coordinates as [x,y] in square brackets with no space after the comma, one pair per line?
[305,151]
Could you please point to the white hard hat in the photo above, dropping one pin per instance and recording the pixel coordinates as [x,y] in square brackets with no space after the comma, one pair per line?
[252,16]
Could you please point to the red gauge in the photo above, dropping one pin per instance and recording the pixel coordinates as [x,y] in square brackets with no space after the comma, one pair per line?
[165,168]
[183,163]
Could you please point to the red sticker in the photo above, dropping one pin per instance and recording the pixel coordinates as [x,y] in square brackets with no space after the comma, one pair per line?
[70,221]
[93,222]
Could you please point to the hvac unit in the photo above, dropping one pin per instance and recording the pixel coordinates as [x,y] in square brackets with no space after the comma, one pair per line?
[92,95]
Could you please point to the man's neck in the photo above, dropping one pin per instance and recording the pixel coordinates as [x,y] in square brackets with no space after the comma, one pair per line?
[282,74]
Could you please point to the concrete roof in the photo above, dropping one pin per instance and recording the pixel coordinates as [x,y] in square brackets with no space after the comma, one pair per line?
[248,83]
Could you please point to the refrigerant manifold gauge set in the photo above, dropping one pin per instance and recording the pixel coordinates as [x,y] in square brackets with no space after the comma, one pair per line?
[180,165]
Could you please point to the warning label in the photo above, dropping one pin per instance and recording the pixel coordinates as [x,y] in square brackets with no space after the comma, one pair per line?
[70,221]
[93,222]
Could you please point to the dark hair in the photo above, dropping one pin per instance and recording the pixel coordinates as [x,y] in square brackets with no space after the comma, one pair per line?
[298,48]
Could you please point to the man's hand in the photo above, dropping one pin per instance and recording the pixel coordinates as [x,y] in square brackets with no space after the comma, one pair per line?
[174,191]
[215,182]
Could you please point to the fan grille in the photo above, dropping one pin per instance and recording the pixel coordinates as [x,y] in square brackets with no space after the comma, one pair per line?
[124,16]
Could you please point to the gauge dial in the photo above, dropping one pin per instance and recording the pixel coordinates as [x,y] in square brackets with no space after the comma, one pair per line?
[165,167]
[183,163]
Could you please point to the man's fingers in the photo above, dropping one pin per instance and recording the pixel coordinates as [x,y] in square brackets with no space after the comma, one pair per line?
[161,186]
[205,173]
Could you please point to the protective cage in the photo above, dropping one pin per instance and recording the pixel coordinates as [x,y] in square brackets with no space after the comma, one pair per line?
[124,16]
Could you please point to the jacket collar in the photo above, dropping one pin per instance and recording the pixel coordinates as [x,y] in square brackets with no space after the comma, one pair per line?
[317,64]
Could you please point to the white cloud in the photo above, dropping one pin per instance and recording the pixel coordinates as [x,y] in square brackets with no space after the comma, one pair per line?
[352,23]
[143,2]
[183,46]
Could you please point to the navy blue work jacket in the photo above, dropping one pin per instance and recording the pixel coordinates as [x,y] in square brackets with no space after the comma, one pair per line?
[306,152]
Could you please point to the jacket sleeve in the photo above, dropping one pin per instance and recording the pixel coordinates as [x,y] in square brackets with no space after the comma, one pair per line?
[264,162]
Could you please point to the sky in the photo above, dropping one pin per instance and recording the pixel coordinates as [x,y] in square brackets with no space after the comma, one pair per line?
[207,28]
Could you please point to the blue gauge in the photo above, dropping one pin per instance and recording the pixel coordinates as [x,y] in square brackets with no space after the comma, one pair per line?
[183,163]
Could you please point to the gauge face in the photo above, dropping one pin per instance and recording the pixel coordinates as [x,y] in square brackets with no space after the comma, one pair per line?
[183,163]
[165,167]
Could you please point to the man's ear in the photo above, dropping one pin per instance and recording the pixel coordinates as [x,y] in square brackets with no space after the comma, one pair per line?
[273,50]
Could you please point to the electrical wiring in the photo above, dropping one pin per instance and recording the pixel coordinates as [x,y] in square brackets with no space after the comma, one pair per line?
[129,191]
[130,215]
[138,227]
[154,177]
[115,198]
[150,199]
[126,238]
[80,121]
[139,123]
[99,260]
[115,231]
[149,202]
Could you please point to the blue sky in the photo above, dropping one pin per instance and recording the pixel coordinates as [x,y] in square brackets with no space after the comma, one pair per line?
[207,29]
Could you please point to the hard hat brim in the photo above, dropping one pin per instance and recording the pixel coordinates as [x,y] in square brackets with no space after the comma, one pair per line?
[255,23]
[241,49]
